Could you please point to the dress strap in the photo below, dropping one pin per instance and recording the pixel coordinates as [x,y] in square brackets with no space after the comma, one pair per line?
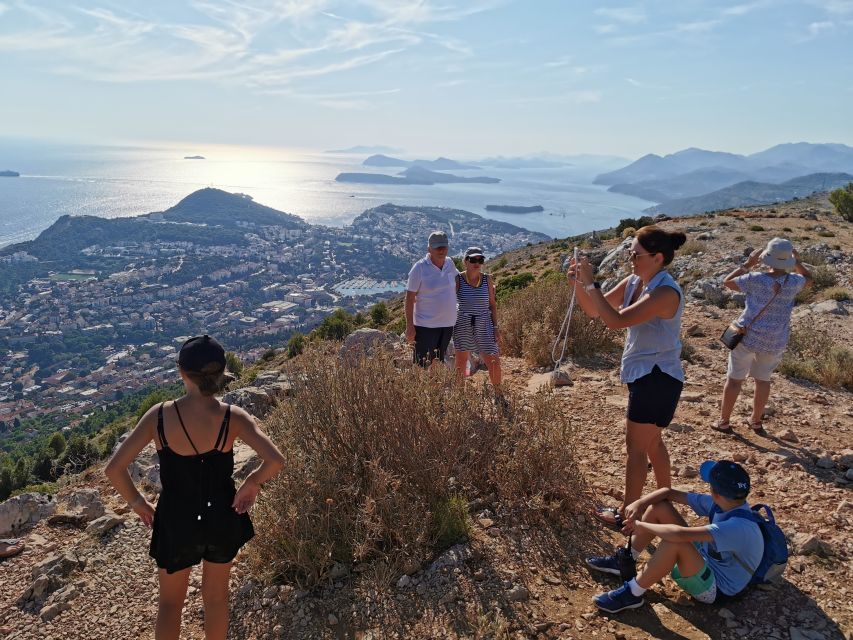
[160,432]
[192,444]
[223,430]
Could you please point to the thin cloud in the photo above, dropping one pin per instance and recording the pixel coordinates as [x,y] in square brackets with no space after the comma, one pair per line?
[229,41]
[743,9]
[837,7]
[628,15]
[604,29]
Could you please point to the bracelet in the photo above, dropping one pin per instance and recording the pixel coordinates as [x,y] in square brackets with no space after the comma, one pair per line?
[593,285]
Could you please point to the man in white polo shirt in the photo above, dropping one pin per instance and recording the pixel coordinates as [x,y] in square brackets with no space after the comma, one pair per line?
[431,301]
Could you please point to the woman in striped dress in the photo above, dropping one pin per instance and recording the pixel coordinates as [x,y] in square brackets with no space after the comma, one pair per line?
[476,326]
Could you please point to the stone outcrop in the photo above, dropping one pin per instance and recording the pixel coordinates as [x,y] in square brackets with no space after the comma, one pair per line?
[24,510]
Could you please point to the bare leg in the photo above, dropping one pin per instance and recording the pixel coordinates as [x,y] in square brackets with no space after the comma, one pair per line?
[731,391]
[759,400]
[493,364]
[214,593]
[659,457]
[173,591]
[460,360]
[659,513]
[639,439]
[669,554]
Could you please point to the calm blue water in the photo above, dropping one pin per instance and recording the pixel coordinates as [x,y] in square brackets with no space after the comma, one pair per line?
[113,182]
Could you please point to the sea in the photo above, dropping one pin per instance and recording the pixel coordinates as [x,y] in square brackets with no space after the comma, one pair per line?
[115,181]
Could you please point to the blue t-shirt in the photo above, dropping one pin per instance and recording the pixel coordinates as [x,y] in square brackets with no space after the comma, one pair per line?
[731,536]
[768,334]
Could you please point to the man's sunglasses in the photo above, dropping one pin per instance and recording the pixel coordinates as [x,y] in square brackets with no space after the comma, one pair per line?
[476,260]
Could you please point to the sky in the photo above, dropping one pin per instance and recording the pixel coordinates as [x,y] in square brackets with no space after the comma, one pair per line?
[461,77]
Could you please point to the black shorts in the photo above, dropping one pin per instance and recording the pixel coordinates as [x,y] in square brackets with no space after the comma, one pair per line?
[653,398]
[431,343]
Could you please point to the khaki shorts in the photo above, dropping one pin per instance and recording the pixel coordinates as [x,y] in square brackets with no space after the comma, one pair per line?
[744,362]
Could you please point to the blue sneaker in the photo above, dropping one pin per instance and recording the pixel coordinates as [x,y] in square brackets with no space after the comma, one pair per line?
[605,564]
[618,600]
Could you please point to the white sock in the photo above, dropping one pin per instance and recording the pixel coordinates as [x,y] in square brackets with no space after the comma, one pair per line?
[636,589]
[635,554]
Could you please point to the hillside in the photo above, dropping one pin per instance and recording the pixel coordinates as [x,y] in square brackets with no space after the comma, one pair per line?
[750,193]
[510,579]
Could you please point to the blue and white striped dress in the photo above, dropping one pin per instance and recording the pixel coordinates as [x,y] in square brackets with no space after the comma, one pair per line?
[474,330]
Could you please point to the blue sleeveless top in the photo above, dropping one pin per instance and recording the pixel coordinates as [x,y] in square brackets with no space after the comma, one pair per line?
[656,341]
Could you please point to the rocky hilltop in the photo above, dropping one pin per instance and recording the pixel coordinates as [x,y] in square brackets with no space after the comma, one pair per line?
[85,571]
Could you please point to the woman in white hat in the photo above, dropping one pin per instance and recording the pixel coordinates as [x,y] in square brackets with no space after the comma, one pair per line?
[767,319]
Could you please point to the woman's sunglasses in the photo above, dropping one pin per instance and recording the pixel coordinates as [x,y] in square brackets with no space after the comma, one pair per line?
[633,255]
[476,260]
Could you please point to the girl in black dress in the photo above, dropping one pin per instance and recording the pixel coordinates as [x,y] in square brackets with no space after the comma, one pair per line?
[200,515]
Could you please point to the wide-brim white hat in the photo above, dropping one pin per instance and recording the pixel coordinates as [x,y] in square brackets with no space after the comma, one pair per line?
[779,254]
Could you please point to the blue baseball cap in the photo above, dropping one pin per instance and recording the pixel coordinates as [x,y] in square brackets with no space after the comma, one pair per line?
[727,478]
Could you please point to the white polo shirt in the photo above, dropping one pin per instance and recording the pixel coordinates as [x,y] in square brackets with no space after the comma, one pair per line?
[435,302]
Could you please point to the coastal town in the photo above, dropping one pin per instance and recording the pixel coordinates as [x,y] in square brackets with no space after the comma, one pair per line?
[107,319]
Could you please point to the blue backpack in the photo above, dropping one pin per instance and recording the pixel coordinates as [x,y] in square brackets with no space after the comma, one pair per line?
[775,556]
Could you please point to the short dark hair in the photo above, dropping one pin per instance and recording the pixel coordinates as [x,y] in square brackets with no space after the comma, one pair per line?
[655,240]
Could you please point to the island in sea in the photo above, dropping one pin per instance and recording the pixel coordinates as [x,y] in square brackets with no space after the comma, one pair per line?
[194,158]
[413,175]
[508,208]
[8,173]
[439,164]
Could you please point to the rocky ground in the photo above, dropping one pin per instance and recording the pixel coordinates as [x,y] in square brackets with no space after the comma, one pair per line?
[85,572]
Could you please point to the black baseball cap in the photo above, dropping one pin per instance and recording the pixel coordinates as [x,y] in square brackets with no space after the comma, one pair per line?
[727,478]
[474,252]
[202,354]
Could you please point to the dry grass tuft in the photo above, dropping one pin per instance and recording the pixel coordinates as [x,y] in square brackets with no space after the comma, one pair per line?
[381,463]
[531,319]
[813,356]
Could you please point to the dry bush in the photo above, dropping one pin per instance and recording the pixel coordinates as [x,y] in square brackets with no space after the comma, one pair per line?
[693,246]
[380,463]
[532,317]
[812,355]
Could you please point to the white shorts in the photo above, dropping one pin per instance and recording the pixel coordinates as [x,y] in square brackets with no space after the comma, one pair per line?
[744,362]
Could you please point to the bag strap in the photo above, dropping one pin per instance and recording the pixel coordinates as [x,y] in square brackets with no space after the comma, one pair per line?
[778,288]
[750,515]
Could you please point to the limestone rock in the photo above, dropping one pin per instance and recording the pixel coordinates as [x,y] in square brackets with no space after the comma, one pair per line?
[830,306]
[518,593]
[253,399]
[24,510]
[808,544]
[788,435]
[85,502]
[103,524]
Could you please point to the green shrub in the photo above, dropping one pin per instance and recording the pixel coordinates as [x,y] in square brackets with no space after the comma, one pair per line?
[842,200]
[756,227]
[450,521]
[823,277]
[636,223]
[505,286]
[379,314]
[501,262]
[628,232]
[336,326]
[295,345]
[826,233]
[233,363]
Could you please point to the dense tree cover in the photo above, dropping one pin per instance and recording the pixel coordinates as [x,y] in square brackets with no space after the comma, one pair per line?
[48,455]
[636,223]
[842,200]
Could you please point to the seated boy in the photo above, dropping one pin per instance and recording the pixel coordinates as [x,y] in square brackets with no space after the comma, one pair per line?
[704,561]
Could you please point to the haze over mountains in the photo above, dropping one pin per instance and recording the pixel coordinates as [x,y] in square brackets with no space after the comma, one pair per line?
[699,180]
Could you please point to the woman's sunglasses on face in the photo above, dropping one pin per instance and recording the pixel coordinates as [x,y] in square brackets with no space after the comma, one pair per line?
[633,255]
[476,260]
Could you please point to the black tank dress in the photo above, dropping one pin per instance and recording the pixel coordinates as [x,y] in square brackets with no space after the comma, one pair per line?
[194,519]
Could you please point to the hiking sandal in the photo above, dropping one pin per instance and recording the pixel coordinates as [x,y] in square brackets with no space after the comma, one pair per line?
[601,514]
[757,427]
[722,426]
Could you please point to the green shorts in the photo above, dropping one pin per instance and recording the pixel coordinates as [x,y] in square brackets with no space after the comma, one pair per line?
[702,586]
